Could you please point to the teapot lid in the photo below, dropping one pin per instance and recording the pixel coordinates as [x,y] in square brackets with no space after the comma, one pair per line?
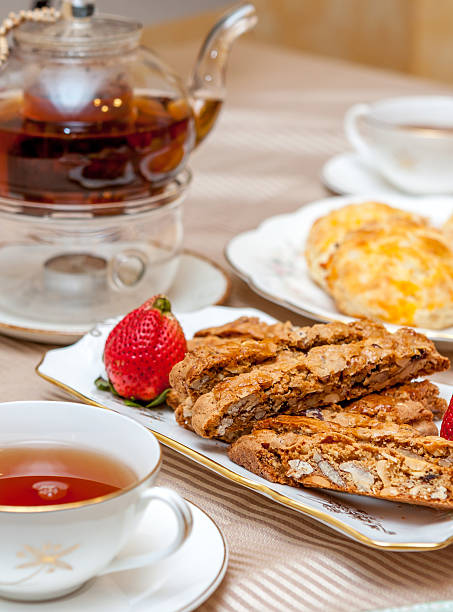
[79,32]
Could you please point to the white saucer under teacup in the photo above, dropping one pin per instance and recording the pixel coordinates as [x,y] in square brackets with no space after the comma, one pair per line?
[180,583]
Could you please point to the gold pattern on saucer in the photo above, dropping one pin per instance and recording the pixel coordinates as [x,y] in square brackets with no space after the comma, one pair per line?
[46,559]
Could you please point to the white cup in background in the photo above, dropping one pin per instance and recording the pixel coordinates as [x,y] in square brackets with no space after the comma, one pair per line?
[409,140]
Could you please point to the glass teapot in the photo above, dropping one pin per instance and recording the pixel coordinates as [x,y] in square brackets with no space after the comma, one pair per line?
[87,115]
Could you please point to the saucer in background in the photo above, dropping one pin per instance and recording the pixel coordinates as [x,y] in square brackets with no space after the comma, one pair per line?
[348,174]
[199,283]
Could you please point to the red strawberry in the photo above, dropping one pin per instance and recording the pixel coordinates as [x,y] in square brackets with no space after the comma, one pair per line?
[446,429]
[142,348]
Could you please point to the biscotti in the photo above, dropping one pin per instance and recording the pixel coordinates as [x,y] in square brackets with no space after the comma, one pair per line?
[415,404]
[386,462]
[420,391]
[327,374]
[292,336]
[207,364]
[222,352]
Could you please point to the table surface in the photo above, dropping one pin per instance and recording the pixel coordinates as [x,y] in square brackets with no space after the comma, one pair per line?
[281,122]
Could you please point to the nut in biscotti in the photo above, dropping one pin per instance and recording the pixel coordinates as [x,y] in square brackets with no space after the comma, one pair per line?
[384,462]
[328,374]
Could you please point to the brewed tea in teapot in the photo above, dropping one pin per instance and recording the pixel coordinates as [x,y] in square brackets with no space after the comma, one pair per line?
[87,115]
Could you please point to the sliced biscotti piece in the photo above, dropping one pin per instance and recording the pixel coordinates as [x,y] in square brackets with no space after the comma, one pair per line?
[423,426]
[422,391]
[208,363]
[419,418]
[411,403]
[292,336]
[414,404]
[251,327]
[418,424]
[325,375]
[366,430]
[416,470]
[193,343]
[388,435]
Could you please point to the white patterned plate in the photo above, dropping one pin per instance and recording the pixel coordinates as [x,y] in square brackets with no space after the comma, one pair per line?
[199,282]
[180,583]
[373,522]
[271,258]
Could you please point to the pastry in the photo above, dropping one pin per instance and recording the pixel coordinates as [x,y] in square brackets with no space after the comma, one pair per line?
[421,391]
[399,272]
[415,404]
[447,229]
[385,461]
[329,231]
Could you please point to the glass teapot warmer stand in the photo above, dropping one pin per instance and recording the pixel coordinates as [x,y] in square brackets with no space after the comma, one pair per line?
[79,264]
[81,288]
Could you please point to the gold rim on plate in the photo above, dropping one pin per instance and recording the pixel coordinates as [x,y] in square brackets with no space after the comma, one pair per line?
[267,491]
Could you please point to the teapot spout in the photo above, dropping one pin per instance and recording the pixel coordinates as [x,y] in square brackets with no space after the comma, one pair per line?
[207,84]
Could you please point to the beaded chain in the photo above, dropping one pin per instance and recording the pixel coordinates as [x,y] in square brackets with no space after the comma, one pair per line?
[45,14]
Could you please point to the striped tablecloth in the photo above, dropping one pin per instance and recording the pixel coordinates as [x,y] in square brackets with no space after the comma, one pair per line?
[282,121]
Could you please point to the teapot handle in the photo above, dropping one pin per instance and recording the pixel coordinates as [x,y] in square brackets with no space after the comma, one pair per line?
[208,76]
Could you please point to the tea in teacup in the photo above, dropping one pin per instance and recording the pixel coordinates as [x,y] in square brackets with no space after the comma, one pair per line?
[45,474]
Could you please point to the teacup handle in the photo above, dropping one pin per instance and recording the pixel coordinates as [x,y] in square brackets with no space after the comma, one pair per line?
[184,519]
[352,130]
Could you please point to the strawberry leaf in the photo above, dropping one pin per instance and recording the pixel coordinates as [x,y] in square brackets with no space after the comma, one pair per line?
[162,303]
[160,399]
[106,385]
[130,402]
[102,384]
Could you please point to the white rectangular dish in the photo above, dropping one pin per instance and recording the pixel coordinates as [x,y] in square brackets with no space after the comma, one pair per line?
[376,523]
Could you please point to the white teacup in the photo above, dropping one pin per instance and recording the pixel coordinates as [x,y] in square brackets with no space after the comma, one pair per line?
[408,140]
[48,551]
